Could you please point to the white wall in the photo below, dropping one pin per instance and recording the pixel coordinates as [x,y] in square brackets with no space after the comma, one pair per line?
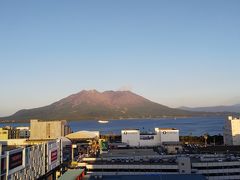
[150,142]
[232,131]
[236,132]
[169,135]
[134,139]
[131,137]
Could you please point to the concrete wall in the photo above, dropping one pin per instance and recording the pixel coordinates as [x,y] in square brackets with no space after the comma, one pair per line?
[4,134]
[47,129]
[236,132]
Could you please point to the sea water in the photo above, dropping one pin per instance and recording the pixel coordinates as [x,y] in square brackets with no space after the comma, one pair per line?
[188,126]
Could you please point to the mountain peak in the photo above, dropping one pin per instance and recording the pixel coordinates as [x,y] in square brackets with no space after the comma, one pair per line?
[88,91]
[92,104]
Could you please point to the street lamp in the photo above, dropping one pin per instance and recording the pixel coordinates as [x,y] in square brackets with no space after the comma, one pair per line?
[205,137]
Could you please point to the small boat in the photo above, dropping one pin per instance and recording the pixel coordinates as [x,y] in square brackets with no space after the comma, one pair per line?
[103,121]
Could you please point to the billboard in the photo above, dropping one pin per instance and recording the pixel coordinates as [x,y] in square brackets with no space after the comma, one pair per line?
[54,155]
[15,160]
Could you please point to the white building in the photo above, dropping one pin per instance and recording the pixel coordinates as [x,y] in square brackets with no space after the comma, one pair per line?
[232,131]
[134,138]
[168,134]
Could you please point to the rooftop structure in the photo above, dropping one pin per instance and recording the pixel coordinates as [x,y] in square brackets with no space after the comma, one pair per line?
[83,135]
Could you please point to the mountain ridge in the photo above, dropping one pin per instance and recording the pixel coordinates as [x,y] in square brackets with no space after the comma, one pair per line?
[222,108]
[93,104]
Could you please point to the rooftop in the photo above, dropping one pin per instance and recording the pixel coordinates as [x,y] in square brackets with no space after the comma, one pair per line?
[71,174]
[150,177]
[129,153]
[128,129]
[83,135]
[233,118]
[166,128]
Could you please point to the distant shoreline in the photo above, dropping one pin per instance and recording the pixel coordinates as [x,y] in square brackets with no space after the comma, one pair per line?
[109,119]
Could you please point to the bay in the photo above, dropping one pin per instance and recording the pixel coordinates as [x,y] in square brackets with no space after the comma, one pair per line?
[188,126]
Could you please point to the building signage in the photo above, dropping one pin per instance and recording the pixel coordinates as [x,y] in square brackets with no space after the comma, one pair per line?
[15,160]
[130,132]
[146,137]
[54,155]
[169,132]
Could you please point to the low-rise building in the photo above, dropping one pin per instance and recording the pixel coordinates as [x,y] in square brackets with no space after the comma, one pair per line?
[135,138]
[8,132]
[24,132]
[167,134]
[232,131]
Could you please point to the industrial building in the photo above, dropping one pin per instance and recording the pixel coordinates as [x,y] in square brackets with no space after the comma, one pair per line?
[48,129]
[232,131]
[135,138]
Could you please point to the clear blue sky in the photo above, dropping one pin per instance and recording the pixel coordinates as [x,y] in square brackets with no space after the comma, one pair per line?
[172,52]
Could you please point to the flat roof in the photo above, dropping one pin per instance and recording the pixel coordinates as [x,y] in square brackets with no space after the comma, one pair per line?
[220,149]
[126,129]
[71,174]
[167,129]
[150,177]
[147,133]
[129,153]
